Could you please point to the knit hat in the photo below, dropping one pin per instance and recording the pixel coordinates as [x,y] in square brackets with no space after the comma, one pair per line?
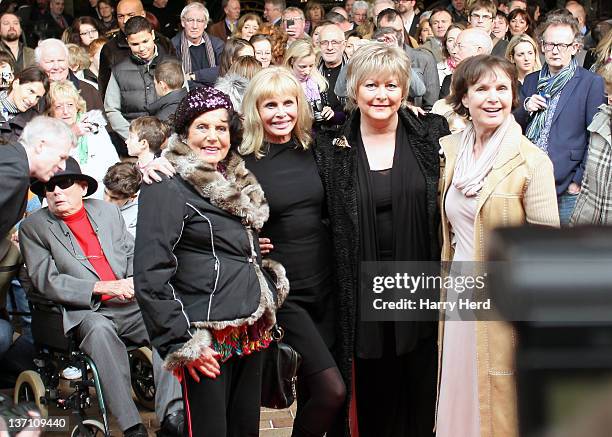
[197,102]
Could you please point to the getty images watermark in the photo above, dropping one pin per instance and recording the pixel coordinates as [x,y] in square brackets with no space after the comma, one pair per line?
[517,291]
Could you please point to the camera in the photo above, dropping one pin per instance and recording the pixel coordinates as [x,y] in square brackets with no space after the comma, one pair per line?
[317,108]
[6,78]
[289,22]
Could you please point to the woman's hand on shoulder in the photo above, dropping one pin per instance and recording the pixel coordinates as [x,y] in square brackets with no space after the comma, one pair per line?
[416,110]
[162,165]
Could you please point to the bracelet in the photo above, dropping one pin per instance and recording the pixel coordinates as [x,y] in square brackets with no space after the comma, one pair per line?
[525,104]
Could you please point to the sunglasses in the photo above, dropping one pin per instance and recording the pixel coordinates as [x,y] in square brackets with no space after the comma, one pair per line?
[63,183]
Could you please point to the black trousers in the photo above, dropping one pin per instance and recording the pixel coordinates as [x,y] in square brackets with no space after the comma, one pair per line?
[396,395]
[227,406]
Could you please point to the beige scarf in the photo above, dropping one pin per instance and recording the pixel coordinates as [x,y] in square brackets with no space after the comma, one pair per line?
[470,172]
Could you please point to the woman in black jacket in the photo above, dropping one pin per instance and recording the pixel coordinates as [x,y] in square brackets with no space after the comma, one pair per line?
[381,181]
[206,302]
[276,145]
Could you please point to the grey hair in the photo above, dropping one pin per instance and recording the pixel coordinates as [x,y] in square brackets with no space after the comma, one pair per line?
[295,10]
[235,87]
[45,43]
[481,38]
[195,6]
[560,17]
[360,4]
[43,127]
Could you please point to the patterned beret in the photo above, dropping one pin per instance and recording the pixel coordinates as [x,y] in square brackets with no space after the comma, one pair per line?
[197,102]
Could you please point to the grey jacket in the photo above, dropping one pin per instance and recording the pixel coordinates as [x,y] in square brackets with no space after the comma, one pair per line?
[57,266]
[424,63]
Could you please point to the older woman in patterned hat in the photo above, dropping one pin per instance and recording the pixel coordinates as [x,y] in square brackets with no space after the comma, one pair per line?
[205,298]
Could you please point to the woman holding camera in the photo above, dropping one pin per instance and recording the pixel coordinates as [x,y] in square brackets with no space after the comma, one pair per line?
[275,145]
[301,59]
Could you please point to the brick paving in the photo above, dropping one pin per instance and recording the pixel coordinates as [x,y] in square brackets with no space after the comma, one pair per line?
[273,423]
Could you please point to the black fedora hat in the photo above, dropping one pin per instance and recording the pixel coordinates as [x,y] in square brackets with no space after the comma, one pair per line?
[73,170]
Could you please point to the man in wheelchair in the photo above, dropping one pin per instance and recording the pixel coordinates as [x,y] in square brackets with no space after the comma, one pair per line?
[79,254]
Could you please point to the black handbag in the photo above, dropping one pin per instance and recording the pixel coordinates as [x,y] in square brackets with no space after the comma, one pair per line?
[279,372]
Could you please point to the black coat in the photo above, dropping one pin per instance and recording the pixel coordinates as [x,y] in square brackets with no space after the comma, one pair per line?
[197,260]
[337,159]
[14,185]
[11,130]
[117,49]
[165,107]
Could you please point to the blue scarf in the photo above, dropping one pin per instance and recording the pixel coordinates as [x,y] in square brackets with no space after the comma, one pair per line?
[549,86]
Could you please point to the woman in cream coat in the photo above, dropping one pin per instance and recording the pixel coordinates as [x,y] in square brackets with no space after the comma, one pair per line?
[492,177]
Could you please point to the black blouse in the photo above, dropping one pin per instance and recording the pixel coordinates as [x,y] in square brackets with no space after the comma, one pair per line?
[296,227]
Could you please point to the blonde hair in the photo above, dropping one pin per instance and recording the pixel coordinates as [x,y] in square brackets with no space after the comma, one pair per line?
[515,41]
[64,89]
[78,58]
[301,49]
[376,59]
[605,71]
[603,51]
[268,83]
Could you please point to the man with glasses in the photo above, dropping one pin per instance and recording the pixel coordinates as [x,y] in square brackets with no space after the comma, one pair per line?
[294,23]
[421,61]
[198,51]
[117,49]
[481,15]
[558,104]
[333,62]
[79,253]
[273,11]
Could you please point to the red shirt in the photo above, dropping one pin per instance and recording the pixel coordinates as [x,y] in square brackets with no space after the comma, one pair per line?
[88,240]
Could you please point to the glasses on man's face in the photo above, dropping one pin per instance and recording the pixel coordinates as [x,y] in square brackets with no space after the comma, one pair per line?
[550,46]
[332,43]
[479,17]
[63,183]
[291,21]
[199,21]
[91,33]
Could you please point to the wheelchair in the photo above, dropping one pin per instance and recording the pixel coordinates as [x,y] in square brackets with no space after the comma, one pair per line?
[57,351]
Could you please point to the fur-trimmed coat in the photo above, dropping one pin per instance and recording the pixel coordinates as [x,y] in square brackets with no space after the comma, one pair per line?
[337,159]
[197,263]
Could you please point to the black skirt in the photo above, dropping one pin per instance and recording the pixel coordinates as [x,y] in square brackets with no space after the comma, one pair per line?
[310,328]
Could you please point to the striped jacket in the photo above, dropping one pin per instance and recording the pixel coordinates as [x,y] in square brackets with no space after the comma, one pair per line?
[594,203]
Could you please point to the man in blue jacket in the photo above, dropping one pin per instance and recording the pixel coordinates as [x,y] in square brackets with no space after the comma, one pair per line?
[557,105]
